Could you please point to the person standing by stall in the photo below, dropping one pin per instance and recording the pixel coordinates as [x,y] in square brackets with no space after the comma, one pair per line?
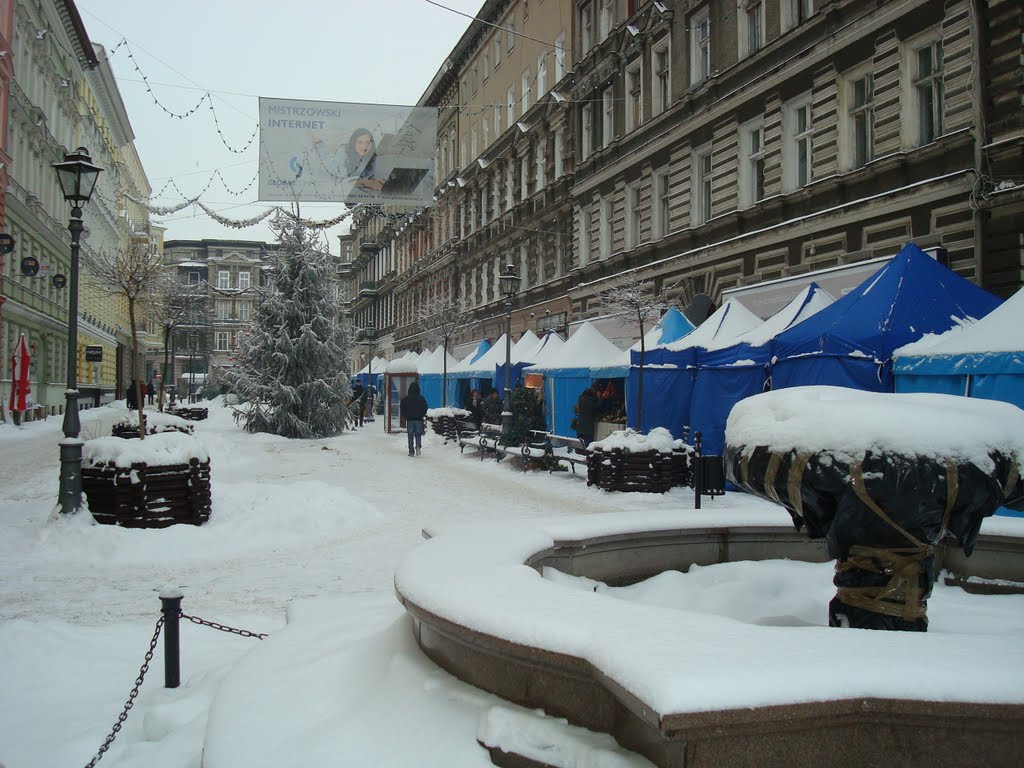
[492,408]
[413,409]
[586,415]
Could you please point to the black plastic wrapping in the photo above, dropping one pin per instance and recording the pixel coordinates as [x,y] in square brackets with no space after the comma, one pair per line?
[903,504]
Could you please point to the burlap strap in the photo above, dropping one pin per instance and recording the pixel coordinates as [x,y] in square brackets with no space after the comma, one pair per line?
[901,596]
[1013,476]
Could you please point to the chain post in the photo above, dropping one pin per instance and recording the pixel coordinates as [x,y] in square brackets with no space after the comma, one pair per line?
[170,599]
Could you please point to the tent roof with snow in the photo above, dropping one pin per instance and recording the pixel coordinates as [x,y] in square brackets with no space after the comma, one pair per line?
[586,350]
[982,359]
[851,342]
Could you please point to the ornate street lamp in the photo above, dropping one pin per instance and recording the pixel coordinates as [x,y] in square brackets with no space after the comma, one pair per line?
[77,176]
[509,282]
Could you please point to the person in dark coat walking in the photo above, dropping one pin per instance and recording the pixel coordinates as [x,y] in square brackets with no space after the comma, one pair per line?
[150,391]
[357,404]
[586,415]
[413,409]
[131,397]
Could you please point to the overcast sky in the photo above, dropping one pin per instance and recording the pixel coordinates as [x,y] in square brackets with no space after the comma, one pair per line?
[382,52]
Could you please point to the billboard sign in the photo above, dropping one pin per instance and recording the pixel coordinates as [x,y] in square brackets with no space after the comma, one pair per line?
[323,151]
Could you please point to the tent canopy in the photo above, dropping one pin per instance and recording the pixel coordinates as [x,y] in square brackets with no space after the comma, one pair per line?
[850,343]
[983,359]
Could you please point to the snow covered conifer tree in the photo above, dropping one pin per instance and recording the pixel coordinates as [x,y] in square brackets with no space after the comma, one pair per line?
[290,371]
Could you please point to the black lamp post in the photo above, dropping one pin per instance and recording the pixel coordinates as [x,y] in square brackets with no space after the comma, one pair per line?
[509,281]
[77,176]
[369,334]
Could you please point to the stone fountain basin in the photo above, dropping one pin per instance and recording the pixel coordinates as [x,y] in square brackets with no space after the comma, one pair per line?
[684,698]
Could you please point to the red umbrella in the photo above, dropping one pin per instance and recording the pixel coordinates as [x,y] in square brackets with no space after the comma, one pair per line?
[20,388]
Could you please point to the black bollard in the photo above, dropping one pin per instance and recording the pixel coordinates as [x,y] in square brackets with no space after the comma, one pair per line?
[698,471]
[170,599]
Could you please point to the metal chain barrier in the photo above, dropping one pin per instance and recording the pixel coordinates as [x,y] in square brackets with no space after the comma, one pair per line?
[223,627]
[131,696]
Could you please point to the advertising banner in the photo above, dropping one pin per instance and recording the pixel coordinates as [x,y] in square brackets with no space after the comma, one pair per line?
[325,151]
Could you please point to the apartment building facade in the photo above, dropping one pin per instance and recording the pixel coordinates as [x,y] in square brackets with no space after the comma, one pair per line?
[62,95]
[705,145]
[232,272]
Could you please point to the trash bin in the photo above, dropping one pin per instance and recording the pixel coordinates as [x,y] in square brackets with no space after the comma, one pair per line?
[712,471]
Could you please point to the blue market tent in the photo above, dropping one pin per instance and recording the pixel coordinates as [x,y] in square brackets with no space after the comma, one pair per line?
[984,359]
[466,376]
[586,357]
[725,375]
[522,353]
[432,377]
[850,343]
[669,370]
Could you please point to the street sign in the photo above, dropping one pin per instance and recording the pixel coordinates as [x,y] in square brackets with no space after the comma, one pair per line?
[59,281]
[6,242]
[94,354]
[30,266]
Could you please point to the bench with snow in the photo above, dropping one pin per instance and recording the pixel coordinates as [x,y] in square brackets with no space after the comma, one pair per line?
[444,421]
[486,439]
[552,448]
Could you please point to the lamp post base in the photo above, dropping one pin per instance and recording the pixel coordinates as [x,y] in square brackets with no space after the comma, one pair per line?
[71,458]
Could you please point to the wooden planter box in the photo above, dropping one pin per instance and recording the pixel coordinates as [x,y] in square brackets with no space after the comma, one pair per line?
[142,496]
[131,430]
[619,470]
[682,468]
[192,413]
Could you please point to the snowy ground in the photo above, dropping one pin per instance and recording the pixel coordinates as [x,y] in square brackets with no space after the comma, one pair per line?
[303,544]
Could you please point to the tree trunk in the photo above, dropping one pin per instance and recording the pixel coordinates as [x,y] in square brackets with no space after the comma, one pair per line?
[640,385]
[163,377]
[444,375]
[136,365]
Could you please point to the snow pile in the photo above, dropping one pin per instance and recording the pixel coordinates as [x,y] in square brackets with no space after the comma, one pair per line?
[658,439]
[851,422]
[437,413]
[163,449]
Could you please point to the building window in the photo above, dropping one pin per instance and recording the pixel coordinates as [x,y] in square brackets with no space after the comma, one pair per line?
[223,310]
[607,214]
[605,19]
[497,120]
[223,278]
[524,177]
[526,82]
[244,280]
[796,143]
[751,162]
[524,265]
[542,74]
[541,160]
[700,46]
[559,141]
[510,34]
[222,341]
[474,80]
[751,27]
[509,185]
[586,228]
[634,214]
[660,203]
[661,78]
[607,117]
[634,97]
[560,56]
[243,310]
[487,133]
[702,187]
[192,278]
[795,13]
[862,119]
[510,99]
[487,66]
[497,50]
[586,131]
[929,92]
[586,27]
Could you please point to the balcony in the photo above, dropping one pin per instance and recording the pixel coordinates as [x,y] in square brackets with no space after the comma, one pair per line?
[368,289]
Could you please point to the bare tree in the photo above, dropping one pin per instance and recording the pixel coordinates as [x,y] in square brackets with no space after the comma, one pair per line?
[636,300]
[172,304]
[444,318]
[127,273]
